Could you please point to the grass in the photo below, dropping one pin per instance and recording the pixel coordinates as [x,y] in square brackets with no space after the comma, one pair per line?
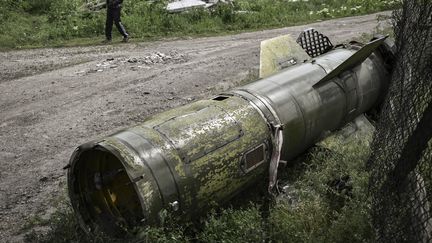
[41,23]
[331,191]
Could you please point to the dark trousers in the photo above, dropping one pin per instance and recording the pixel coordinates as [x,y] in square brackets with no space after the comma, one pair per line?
[113,16]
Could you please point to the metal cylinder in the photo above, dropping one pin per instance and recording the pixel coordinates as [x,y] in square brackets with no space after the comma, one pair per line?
[309,109]
[185,159]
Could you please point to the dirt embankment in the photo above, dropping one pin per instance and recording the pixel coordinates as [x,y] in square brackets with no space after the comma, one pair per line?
[52,100]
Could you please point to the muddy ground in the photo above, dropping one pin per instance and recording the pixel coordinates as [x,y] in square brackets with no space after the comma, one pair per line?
[52,100]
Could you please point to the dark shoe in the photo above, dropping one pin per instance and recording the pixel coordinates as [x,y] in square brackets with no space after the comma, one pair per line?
[125,39]
[106,41]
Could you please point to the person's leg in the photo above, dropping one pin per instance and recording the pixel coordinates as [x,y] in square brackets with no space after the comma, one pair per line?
[119,25]
[109,24]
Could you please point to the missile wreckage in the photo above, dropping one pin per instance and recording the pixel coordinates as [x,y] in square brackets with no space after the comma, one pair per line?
[185,159]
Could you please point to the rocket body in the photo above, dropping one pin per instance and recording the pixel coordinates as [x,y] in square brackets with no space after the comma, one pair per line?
[188,158]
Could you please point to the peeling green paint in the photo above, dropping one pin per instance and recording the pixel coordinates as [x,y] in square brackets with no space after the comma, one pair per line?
[218,173]
[224,130]
[131,159]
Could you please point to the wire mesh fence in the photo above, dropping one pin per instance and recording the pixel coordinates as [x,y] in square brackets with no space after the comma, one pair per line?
[401,161]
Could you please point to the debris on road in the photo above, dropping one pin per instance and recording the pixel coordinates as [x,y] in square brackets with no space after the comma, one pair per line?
[137,62]
[185,5]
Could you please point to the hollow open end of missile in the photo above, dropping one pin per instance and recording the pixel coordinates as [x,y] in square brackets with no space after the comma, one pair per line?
[104,194]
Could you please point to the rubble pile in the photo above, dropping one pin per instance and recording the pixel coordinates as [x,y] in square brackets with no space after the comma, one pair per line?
[158,58]
[139,62]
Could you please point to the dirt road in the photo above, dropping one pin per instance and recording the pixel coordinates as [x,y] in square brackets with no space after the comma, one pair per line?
[52,100]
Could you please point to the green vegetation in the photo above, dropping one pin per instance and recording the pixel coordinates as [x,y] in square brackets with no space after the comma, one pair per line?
[37,23]
[326,202]
[333,204]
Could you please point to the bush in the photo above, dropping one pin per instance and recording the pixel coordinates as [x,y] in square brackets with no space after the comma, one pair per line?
[329,199]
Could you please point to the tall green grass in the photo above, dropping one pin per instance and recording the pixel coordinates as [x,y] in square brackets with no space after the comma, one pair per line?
[34,23]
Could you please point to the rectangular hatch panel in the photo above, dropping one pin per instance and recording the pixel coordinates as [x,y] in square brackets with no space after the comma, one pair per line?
[199,133]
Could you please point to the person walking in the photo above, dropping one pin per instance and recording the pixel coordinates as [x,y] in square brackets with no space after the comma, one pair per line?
[113,17]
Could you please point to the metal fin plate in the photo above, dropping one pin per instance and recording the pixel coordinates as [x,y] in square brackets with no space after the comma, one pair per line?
[279,53]
[358,57]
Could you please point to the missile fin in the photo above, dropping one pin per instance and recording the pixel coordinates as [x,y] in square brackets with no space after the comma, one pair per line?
[358,57]
[279,53]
